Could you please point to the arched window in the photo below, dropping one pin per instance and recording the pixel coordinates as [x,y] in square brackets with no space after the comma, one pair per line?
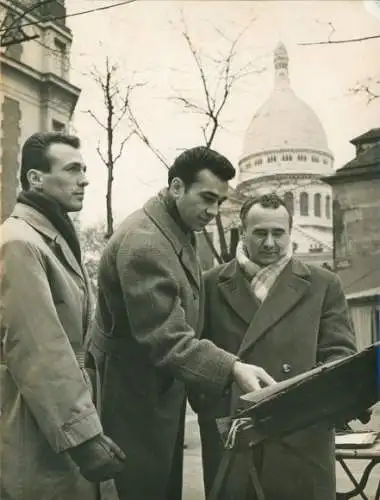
[328,207]
[317,205]
[289,200]
[304,204]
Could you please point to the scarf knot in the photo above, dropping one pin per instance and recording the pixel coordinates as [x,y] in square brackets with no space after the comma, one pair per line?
[261,279]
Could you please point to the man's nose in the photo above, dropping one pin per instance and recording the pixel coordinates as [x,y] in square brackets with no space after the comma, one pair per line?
[83,180]
[269,241]
[213,209]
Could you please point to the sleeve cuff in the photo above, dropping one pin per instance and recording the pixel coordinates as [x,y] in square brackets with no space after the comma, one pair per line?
[77,432]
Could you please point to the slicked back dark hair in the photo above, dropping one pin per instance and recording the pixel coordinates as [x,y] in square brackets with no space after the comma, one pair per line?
[187,165]
[268,200]
[33,155]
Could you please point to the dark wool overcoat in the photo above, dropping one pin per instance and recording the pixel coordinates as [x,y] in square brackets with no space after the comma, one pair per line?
[144,345]
[46,404]
[303,321]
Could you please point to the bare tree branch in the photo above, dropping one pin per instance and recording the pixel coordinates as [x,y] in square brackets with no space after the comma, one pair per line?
[98,150]
[122,144]
[138,130]
[345,40]
[92,114]
[364,88]
[15,24]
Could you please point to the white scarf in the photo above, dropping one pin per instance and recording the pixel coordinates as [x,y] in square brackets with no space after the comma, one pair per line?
[262,278]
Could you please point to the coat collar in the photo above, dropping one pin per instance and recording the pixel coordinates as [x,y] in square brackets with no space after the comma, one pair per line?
[235,288]
[290,287]
[157,211]
[43,226]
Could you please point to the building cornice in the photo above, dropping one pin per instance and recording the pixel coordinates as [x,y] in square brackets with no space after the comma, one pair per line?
[356,174]
[65,32]
[317,179]
[51,78]
[36,20]
[286,150]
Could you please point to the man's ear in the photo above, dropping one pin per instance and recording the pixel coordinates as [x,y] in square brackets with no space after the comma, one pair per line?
[176,188]
[35,178]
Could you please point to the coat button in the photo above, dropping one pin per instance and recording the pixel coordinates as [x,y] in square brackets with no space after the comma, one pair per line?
[286,368]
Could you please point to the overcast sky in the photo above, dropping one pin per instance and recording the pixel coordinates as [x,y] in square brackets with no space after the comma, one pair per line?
[144,39]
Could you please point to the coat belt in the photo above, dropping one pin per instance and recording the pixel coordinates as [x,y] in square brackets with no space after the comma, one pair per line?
[105,343]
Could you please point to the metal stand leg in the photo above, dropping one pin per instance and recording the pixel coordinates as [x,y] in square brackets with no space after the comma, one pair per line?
[256,483]
[221,477]
[224,470]
[377,494]
[357,485]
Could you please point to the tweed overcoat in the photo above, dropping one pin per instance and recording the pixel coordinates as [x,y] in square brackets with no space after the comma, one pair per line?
[145,346]
[46,405]
[303,321]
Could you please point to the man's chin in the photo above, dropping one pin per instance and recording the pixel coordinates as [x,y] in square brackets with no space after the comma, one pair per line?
[75,208]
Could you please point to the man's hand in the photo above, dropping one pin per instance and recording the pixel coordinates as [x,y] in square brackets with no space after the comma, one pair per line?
[248,377]
[98,459]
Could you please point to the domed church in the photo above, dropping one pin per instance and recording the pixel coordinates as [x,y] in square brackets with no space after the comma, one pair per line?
[285,149]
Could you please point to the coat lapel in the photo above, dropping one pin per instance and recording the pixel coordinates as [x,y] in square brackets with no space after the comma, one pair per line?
[236,291]
[155,208]
[57,242]
[289,289]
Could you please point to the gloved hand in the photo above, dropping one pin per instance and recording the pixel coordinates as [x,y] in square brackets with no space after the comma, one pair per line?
[98,459]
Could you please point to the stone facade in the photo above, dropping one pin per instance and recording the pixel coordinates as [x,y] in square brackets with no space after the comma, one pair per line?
[36,93]
[356,205]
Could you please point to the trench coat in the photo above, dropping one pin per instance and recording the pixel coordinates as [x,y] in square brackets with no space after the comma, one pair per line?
[303,321]
[145,348]
[46,404]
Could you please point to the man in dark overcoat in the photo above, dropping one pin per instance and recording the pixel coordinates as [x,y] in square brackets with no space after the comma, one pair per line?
[52,442]
[145,343]
[271,310]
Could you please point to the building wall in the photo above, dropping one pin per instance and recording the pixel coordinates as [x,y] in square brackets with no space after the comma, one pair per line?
[10,142]
[356,219]
[35,94]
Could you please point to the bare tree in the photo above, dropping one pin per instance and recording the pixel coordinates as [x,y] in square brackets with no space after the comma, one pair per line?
[215,94]
[218,74]
[116,97]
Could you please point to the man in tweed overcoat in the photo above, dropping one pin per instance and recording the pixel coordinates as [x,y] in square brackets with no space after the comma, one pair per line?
[145,343]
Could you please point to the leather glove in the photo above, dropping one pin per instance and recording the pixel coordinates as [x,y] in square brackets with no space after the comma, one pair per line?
[98,459]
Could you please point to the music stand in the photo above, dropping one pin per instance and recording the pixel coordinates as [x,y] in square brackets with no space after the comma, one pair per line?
[340,389]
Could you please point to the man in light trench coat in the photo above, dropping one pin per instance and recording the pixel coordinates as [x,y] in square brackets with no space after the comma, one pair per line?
[268,308]
[145,342]
[52,443]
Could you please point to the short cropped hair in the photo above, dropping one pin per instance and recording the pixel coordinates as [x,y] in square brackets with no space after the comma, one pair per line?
[268,200]
[33,155]
[187,165]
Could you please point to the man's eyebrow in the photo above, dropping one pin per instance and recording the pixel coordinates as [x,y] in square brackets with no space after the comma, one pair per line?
[213,194]
[76,164]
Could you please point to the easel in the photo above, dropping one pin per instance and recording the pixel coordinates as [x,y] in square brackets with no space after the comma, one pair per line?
[236,443]
[346,387]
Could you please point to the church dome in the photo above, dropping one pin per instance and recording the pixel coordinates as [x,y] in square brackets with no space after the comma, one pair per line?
[284,121]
